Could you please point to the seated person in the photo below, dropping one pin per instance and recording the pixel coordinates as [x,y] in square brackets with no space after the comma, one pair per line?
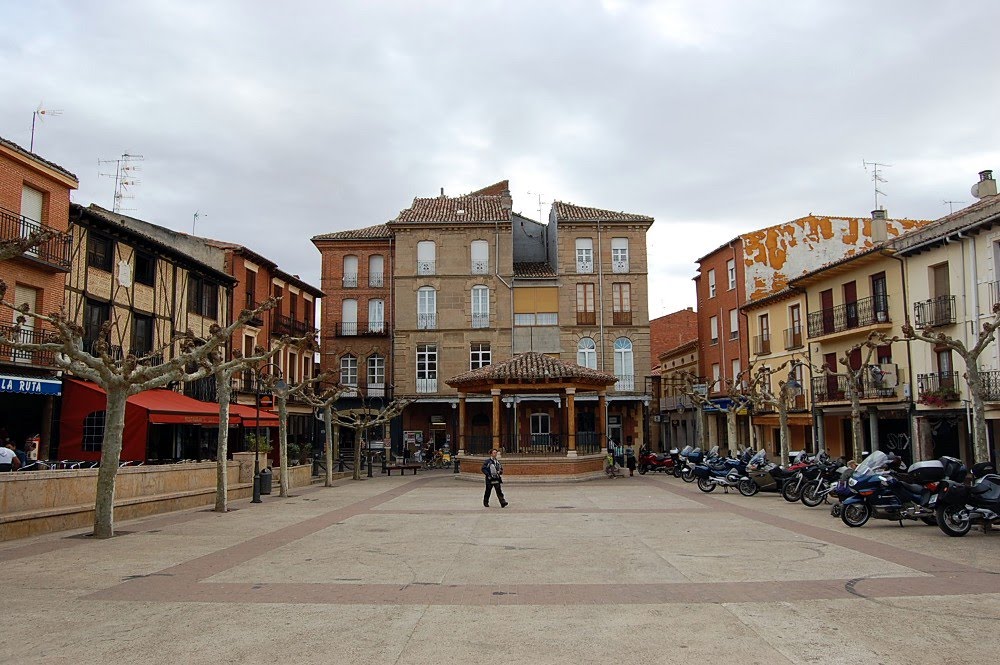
[610,468]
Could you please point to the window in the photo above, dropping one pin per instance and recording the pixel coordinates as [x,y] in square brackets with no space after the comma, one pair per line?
[480,257]
[376,316]
[731,273]
[426,257]
[426,368]
[585,314]
[32,206]
[278,293]
[293,306]
[619,255]
[716,376]
[711,283]
[586,353]
[95,313]
[480,356]
[203,297]
[539,319]
[349,370]
[293,366]
[880,297]
[251,288]
[736,371]
[480,307]
[376,270]
[350,272]
[376,375]
[793,337]
[946,372]
[349,317]
[734,324]
[145,268]
[426,308]
[585,255]
[142,334]
[621,302]
[624,367]
[93,431]
[540,429]
[763,344]
[713,328]
[100,252]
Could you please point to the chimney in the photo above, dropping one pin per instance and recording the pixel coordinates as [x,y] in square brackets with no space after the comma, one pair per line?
[442,192]
[986,186]
[880,231]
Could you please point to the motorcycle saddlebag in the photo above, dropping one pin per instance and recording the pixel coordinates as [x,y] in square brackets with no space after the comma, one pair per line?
[983,468]
[701,472]
[926,472]
[952,493]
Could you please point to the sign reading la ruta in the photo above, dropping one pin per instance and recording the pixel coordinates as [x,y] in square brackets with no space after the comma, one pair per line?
[10,384]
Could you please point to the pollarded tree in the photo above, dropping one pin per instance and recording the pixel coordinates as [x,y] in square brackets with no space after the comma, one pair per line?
[325,401]
[120,379]
[700,401]
[973,375]
[763,394]
[361,421]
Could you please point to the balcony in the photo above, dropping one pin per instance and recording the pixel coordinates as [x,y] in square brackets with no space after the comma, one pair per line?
[938,388]
[586,318]
[835,388]
[286,325]
[376,280]
[626,382]
[619,267]
[480,320]
[936,312]
[762,345]
[54,252]
[849,316]
[793,338]
[426,267]
[350,280]
[361,329]
[27,336]
[426,321]
[584,267]
[251,303]
[991,385]
[206,390]
[365,391]
[621,318]
[427,385]
[480,267]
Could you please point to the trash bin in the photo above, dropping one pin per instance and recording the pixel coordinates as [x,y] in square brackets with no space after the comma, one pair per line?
[265,481]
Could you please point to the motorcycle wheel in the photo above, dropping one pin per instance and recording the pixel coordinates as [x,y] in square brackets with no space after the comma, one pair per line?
[836,510]
[856,514]
[791,491]
[687,476]
[642,470]
[676,471]
[950,520]
[747,487]
[705,485]
[812,495]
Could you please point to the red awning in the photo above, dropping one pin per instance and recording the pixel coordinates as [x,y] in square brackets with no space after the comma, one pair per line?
[165,407]
[248,414]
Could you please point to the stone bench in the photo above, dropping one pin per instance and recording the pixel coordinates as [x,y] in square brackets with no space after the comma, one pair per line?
[401,468]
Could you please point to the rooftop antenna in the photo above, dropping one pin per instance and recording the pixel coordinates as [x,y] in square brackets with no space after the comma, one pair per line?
[540,203]
[951,205]
[194,220]
[124,175]
[876,177]
[36,115]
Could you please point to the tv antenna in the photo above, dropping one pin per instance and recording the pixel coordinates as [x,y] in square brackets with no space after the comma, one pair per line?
[37,115]
[951,205]
[540,203]
[876,177]
[194,219]
[124,175]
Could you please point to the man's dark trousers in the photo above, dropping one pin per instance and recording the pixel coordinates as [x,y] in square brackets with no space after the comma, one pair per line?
[491,486]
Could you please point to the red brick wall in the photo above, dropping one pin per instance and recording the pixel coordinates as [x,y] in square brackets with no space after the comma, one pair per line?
[670,331]
[725,299]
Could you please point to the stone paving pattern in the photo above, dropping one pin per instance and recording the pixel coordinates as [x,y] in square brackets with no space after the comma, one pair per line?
[415,570]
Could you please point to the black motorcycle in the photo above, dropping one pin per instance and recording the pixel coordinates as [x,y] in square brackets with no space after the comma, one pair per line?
[960,506]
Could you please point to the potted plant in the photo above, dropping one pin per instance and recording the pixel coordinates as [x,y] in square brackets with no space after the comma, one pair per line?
[939,397]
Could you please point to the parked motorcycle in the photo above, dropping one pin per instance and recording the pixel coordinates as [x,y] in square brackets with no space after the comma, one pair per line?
[690,458]
[763,476]
[791,491]
[650,461]
[719,471]
[960,506]
[817,490]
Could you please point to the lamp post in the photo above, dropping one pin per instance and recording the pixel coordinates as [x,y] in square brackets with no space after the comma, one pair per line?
[257,373]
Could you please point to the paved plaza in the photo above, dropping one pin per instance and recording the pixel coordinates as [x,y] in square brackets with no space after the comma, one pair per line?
[415,570]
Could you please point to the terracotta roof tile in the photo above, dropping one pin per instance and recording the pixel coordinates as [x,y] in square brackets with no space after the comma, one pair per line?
[16,148]
[533,368]
[567,212]
[529,270]
[369,232]
[470,208]
[496,189]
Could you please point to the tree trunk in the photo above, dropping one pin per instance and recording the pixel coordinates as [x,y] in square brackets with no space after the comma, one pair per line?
[783,434]
[357,453]
[702,427]
[857,427]
[980,440]
[328,447]
[111,450]
[282,401]
[731,428]
[223,389]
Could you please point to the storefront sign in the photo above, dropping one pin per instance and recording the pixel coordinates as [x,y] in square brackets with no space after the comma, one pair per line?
[18,384]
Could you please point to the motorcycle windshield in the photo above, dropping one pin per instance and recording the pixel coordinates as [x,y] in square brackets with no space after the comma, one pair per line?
[877,460]
[687,450]
[757,459]
[714,452]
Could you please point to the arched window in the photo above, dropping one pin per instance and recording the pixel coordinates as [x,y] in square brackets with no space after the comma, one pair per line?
[624,365]
[426,308]
[93,430]
[349,370]
[586,353]
[480,307]
[350,272]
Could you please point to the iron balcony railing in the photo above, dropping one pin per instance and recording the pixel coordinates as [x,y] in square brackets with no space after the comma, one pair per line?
[938,385]
[350,280]
[619,266]
[584,266]
[206,390]
[251,303]
[480,320]
[427,385]
[361,328]
[364,391]
[625,382]
[835,388]
[991,385]
[762,344]
[27,336]
[426,321]
[935,312]
[864,312]
[376,279]
[793,338]
[54,252]
[286,325]
[480,267]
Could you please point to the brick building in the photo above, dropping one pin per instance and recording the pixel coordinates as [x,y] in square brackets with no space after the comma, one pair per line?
[34,194]
[674,355]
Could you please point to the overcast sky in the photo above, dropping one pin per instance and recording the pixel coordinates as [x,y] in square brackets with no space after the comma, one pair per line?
[282,120]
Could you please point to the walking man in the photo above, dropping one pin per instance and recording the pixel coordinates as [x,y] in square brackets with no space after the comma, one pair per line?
[493,470]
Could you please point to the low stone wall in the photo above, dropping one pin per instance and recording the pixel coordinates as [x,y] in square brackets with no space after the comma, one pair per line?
[537,469]
[35,502]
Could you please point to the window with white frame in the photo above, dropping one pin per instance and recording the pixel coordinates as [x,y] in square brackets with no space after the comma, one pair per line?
[376,315]
[376,270]
[540,429]
[426,308]
[480,306]
[349,317]
[480,257]
[713,328]
[585,255]
[349,370]
[350,271]
[736,372]
[427,368]
[716,376]
[731,273]
[734,324]
[479,356]
[711,283]
[586,353]
[426,257]
[624,364]
[376,375]
[619,255]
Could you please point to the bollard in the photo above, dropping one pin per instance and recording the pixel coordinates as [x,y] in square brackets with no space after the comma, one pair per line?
[456,464]
[340,464]
[385,469]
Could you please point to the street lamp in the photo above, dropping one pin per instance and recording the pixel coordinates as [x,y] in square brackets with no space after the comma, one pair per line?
[257,374]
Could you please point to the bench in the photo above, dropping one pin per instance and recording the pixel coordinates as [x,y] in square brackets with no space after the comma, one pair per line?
[402,468]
